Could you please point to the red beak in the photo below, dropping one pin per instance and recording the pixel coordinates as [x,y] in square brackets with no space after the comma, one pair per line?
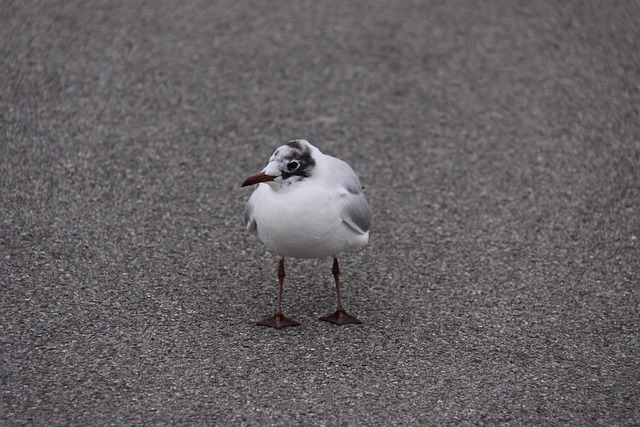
[257,179]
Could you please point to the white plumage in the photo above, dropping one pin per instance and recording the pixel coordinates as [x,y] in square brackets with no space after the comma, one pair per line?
[307,205]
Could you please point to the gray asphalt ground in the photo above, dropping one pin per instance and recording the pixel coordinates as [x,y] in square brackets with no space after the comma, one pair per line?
[499,144]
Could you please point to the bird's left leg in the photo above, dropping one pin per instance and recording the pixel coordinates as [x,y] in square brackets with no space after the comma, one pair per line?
[340,316]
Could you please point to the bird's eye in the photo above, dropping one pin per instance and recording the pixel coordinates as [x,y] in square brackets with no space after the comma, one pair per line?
[293,165]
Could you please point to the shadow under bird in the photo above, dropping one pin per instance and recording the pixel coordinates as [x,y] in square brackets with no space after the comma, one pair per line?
[307,205]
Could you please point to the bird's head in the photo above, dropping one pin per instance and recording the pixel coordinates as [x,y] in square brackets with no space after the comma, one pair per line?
[290,163]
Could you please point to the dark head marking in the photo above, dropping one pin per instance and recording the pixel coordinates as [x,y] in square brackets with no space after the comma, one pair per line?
[299,161]
[295,144]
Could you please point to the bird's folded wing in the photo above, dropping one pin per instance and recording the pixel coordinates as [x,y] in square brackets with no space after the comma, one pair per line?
[355,212]
[249,219]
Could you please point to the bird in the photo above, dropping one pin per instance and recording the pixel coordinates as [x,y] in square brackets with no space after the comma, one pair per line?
[307,205]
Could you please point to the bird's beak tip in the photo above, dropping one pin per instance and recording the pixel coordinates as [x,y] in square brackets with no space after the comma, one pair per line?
[257,179]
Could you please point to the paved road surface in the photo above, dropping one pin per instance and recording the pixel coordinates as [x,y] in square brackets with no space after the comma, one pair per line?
[499,143]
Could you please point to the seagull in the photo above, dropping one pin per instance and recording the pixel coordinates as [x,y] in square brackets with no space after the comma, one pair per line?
[307,205]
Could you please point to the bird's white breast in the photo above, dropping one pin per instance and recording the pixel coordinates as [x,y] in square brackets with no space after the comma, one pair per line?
[304,221]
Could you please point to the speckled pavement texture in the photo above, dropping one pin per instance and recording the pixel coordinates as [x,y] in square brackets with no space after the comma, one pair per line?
[499,144]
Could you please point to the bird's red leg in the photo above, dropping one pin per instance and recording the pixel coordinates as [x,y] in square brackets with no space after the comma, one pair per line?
[339,317]
[279,320]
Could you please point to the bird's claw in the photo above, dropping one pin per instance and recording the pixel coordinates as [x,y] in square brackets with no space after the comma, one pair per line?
[277,321]
[341,317]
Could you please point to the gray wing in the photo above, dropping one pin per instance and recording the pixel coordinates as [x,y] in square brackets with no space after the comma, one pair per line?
[355,212]
[355,209]
[249,219]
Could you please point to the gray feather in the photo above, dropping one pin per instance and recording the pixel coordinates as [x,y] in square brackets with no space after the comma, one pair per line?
[355,209]
[355,212]
[249,219]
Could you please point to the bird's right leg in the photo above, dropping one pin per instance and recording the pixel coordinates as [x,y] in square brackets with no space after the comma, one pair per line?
[279,320]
